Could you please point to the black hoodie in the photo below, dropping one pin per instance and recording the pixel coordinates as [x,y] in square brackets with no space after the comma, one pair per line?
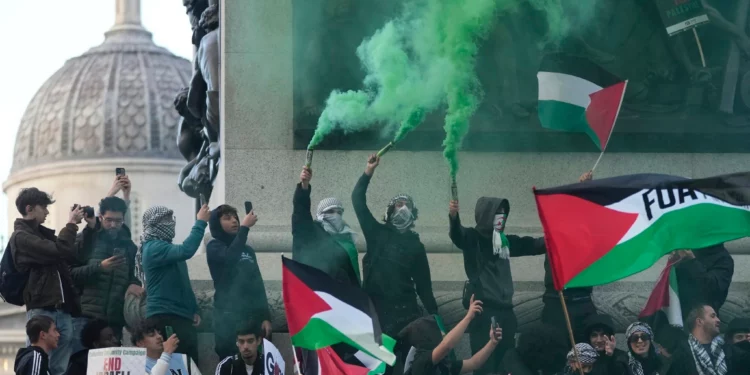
[617,363]
[706,278]
[31,360]
[234,269]
[489,274]
[78,363]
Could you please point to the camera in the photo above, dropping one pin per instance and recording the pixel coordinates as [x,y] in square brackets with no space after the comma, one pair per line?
[88,211]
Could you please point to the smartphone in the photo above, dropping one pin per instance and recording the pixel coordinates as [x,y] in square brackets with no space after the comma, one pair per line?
[120,171]
[248,207]
[168,331]
[203,200]
[494,325]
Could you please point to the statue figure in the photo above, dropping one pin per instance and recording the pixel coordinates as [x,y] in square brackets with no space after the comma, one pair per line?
[199,132]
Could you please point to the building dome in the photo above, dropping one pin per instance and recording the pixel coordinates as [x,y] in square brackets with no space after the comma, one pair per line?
[115,100]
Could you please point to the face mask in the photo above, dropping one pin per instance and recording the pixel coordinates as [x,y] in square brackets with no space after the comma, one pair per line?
[402,218]
[332,222]
[499,241]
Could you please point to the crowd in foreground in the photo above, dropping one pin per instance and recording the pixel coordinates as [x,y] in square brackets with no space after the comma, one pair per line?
[79,286]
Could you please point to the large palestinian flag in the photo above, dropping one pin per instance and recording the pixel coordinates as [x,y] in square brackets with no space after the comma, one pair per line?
[576,95]
[604,230]
[321,312]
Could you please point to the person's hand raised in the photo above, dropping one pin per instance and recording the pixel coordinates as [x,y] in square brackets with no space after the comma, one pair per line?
[249,220]
[372,162]
[204,214]
[305,176]
[475,308]
[453,209]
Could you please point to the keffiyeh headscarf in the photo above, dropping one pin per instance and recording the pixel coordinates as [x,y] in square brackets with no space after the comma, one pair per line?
[404,217]
[158,224]
[332,223]
[587,355]
[635,365]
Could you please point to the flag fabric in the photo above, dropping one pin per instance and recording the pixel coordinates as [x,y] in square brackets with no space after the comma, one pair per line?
[576,95]
[321,312]
[665,298]
[601,231]
[273,361]
[329,363]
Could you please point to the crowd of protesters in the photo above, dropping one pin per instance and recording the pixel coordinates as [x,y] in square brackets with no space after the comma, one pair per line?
[79,282]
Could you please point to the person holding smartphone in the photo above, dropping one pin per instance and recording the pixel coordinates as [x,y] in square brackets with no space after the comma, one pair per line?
[240,292]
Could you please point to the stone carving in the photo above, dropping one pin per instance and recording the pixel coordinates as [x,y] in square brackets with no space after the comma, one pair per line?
[115,100]
[669,92]
[199,107]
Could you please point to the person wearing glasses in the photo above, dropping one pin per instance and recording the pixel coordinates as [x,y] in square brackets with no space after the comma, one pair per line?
[105,272]
[643,358]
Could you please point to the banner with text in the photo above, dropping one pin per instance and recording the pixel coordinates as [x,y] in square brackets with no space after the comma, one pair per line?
[117,361]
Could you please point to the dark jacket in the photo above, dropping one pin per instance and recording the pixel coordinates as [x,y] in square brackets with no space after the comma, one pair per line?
[37,250]
[705,279]
[235,272]
[490,274]
[617,363]
[395,264]
[236,366]
[313,246]
[738,358]
[78,363]
[31,360]
[103,292]
[571,294]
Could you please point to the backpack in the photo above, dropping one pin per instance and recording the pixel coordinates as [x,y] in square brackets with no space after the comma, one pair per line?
[12,281]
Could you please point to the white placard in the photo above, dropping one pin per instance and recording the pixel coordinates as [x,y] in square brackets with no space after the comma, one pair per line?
[117,361]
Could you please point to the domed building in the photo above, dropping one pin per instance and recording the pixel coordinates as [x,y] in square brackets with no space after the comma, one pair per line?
[109,107]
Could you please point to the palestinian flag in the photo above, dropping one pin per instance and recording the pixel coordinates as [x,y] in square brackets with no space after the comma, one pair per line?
[576,95]
[665,298]
[321,312]
[604,230]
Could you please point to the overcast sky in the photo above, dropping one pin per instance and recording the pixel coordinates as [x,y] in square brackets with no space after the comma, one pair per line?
[41,34]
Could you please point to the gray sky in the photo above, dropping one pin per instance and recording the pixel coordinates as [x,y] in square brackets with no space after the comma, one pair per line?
[40,35]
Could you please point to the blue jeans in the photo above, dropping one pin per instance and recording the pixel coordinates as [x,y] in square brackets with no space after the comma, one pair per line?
[58,358]
[78,324]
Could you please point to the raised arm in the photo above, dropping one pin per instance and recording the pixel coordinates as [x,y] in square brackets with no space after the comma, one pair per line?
[32,250]
[454,336]
[714,280]
[477,360]
[458,234]
[302,219]
[423,282]
[170,253]
[359,197]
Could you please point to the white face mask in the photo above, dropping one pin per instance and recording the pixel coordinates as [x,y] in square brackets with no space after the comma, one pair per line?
[402,218]
[332,220]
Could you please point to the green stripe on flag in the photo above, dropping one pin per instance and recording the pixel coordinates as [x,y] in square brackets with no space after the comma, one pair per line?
[666,234]
[567,117]
[319,334]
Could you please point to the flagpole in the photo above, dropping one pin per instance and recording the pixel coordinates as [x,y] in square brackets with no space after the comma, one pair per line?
[624,89]
[296,362]
[570,331]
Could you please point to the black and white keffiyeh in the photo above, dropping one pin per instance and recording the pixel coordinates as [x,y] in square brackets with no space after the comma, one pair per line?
[636,367]
[158,224]
[703,361]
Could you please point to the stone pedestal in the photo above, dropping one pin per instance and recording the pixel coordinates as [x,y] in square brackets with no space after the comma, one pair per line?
[260,165]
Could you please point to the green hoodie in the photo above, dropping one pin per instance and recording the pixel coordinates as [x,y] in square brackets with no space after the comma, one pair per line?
[168,289]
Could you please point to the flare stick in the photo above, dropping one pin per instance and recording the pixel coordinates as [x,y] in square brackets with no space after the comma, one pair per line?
[308,158]
[454,189]
[385,149]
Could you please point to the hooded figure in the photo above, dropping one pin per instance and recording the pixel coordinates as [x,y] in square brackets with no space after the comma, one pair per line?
[240,292]
[542,350]
[705,279]
[737,347]
[395,265]
[598,329]
[170,300]
[325,242]
[424,336]
[487,251]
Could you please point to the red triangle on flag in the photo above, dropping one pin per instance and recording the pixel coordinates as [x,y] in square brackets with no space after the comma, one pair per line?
[331,364]
[601,114]
[578,232]
[659,297]
[300,301]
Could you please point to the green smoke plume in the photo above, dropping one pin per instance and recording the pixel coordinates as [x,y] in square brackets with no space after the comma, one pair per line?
[425,59]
